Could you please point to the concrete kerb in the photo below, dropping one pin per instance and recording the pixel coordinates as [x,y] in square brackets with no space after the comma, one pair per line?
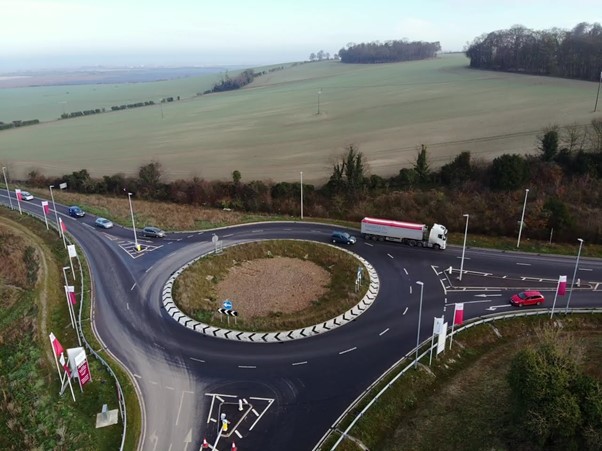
[272,337]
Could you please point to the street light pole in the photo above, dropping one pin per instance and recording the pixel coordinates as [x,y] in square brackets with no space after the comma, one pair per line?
[55,213]
[464,247]
[568,301]
[522,218]
[133,224]
[10,201]
[319,93]
[301,194]
[419,318]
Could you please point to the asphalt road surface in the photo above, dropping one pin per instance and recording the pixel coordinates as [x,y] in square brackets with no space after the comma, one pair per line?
[277,396]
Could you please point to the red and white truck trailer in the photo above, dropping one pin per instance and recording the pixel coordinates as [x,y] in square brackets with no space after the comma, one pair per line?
[408,233]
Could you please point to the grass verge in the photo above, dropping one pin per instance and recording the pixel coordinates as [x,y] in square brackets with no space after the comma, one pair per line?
[32,414]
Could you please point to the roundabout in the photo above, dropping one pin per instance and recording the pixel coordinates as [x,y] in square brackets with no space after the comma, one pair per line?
[270,285]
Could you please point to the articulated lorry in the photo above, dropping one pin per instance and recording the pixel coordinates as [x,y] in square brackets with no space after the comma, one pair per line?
[408,233]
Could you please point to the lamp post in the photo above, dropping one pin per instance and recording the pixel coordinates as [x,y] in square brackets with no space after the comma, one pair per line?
[301,173]
[419,318]
[568,301]
[133,224]
[319,93]
[10,201]
[464,247]
[522,218]
[55,213]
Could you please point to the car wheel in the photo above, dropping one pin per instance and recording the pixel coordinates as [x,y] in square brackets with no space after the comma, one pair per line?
[521,304]
[538,303]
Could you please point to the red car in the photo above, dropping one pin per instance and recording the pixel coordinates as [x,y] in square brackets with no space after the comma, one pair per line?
[527,298]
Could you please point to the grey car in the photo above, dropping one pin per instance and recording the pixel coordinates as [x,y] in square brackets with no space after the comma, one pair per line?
[103,223]
[153,232]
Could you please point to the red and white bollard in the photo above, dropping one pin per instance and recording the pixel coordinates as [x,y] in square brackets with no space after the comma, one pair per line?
[234,448]
[205,444]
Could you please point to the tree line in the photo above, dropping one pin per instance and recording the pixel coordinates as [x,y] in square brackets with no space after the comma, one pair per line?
[388,52]
[564,178]
[572,53]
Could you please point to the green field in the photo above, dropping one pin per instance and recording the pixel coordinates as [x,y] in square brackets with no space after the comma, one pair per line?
[270,130]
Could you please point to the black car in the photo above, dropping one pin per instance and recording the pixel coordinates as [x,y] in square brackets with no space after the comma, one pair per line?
[153,232]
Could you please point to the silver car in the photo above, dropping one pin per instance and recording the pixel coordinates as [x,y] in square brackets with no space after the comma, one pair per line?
[153,232]
[103,223]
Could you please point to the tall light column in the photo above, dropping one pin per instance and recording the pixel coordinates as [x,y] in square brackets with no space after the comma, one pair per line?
[419,318]
[55,213]
[568,301]
[464,247]
[522,218]
[10,201]
[133,224]
[301,194]
[319,93]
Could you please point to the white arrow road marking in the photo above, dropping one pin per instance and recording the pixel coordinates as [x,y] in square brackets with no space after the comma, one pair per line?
[493,307]
[188,439]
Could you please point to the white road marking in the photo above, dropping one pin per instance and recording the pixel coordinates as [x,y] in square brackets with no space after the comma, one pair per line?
[390,256]
[149,269]
[133,286]
[585,269]
[368,244]
[180,407]
[465,258]
[247,366]
[406,271]
[348,350]
[486,295]
[300,363]
[138,376]
[189,236]
[405,311]
[257,231]
[410,289]
[154,383]
[523,264]
[228,235]
[383,332]
[169,388]
[237,433]
[127,304]
[197,360]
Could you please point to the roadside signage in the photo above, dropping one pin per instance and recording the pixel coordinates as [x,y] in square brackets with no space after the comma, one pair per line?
[228,304]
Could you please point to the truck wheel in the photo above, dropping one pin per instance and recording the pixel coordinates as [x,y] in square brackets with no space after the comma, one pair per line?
[412,243]
[436,246]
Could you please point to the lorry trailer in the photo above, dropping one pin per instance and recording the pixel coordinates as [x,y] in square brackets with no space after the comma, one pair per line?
[410,233]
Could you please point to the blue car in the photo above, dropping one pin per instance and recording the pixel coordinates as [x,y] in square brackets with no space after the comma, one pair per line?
[342,237]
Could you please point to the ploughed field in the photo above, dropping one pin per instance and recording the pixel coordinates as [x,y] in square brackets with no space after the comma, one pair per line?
[300,118]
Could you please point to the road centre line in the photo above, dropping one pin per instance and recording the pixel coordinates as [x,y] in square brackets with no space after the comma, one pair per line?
[180,407]
[228,235]
[189,236]
[247,366]
[300,363]
[257,231]
[348,350]
[585,269]
[149,269]
[410,289]
[465,258]
[523,264]
[405,311]
[368,244]
[390,256]
[133,286]
[406,271]
[383,332]
[197,360]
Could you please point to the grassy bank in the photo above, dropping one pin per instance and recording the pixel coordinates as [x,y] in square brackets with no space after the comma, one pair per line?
[33,415]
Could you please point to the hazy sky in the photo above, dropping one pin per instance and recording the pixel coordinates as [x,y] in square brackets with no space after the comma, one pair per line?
[64,33]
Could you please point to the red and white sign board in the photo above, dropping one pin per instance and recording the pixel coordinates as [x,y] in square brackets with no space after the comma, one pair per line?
[79,365]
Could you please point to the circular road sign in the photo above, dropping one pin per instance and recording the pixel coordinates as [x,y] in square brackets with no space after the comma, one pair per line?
[228,304]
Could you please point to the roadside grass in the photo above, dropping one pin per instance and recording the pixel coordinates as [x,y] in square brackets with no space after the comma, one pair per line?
[462,401]
[194,290]
[32,414]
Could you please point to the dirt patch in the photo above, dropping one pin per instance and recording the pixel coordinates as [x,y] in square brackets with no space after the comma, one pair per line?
[279,284]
